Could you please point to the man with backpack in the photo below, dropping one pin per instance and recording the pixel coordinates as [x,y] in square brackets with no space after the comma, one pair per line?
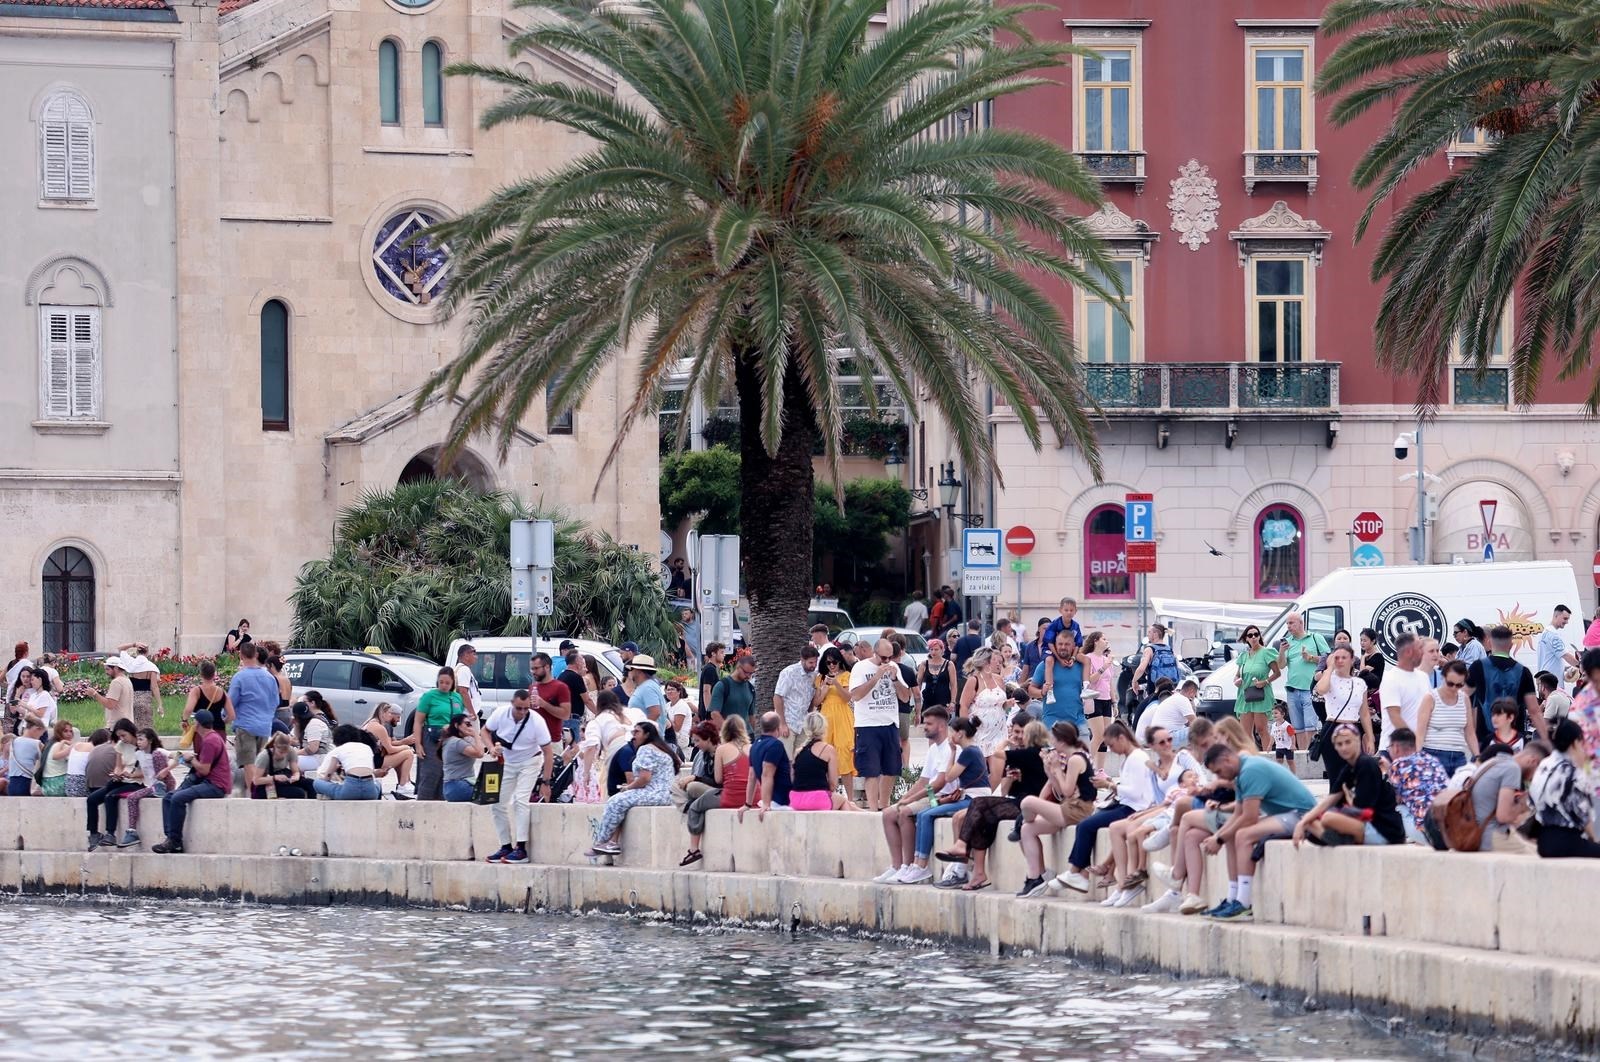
[1156,662]
[1498,675]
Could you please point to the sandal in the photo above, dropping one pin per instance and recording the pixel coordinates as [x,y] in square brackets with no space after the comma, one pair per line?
[954,857]
[974,886]
[694,856]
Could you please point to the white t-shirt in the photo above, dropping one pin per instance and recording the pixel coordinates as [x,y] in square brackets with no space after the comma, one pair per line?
[1175,711]
[355,757]
[1136,783]
[13,671]
[881,707]
[680,712]
[937,763]
[42,704]
[139,664]
[467,683]
[1406,690]
[526,748]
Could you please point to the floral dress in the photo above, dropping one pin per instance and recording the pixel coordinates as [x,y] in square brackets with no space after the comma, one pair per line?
[989,712]
[656,793]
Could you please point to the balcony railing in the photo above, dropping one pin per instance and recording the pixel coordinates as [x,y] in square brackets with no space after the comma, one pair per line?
[1126,167]
[1215,387]
[1298,167]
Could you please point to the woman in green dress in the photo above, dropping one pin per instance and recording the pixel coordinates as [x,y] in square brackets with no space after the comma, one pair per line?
[435,709]
[1258,670]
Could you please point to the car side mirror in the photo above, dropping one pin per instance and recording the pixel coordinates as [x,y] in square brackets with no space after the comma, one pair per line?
[394,687]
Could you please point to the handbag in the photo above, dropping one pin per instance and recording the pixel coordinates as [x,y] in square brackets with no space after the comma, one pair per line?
[1254,694]
[1459,820]
[486,790]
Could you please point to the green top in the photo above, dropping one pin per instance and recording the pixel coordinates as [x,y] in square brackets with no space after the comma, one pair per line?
[1299,672]
[437,707]
[1252,666]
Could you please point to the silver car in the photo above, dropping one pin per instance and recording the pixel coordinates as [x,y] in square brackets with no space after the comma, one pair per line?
[355,683]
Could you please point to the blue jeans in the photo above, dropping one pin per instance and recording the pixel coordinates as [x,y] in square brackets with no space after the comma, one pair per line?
[349,789]
[175,805]
[1083,838]
[1302,715]
[925,823]
[1450,761]
[458,791]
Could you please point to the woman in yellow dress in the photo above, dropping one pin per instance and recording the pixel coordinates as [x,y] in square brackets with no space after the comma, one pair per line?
[832,699]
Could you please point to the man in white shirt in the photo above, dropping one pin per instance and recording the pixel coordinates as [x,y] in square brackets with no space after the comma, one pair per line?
[1404,687]
[1174,714]
[794,694]
[916,613]
[900,818]
[467,681]
[876,689]
[519,735]
[1555,655]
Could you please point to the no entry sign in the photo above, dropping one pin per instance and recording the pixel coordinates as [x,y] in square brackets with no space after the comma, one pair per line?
[1019,541]
[1368,526]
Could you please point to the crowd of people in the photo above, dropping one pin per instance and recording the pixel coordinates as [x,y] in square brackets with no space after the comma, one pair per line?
[1466,749]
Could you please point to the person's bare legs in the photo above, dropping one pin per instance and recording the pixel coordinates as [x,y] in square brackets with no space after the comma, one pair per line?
[1097,728]
[980,863]
[879,790]
[1194,860]
[1119,852]
[1258,730]
[400,763]
[900,827]
[1046,820]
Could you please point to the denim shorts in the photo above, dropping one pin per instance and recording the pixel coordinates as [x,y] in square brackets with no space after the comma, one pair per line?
[878,751]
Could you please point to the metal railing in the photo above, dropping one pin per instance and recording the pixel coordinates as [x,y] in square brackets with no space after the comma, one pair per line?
[1215,387]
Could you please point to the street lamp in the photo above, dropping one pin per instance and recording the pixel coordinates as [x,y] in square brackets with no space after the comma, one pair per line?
[893,463]
[949,492]
[1419,532]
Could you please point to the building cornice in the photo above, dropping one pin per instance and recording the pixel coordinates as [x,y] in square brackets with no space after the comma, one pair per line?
[1107,23]
[1278,23]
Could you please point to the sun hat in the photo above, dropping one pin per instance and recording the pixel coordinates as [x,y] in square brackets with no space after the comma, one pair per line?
[642,662]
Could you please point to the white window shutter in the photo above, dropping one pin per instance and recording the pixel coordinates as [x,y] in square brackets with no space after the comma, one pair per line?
[86,363]
[56,372]
[80,160]
[66,148]
[53,155]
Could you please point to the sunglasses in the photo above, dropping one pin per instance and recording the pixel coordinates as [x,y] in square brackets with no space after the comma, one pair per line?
[1252,634]
[1455,685]
[1164,741]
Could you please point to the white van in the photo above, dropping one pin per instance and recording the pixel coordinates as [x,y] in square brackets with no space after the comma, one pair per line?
[1426,600]
[502,666]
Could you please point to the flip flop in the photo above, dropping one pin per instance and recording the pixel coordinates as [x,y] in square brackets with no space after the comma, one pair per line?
[954,857]
[975,886]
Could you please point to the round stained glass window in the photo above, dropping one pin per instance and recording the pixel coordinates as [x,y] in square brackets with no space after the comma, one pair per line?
[410,267]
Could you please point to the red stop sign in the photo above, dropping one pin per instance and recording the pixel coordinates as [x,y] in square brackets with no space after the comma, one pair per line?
[1019,541]
[1368,526]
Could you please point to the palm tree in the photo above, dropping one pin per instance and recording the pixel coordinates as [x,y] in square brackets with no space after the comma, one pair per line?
[1523,214]
[771,196]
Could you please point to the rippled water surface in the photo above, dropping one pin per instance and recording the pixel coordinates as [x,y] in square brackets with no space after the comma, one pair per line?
[148,980]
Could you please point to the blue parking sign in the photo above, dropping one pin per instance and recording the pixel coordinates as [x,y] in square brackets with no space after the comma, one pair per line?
[1139,518]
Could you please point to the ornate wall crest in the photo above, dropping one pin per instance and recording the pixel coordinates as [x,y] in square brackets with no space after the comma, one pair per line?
[1193,204]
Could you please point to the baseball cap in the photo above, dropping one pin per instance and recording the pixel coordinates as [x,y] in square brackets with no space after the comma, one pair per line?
[629,647]
[566,643]
[205,719]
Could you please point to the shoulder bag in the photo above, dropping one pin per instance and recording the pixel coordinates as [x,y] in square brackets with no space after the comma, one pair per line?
[486,789]
[1458,820]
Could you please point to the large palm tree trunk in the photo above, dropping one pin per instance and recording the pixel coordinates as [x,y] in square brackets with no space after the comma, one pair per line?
[775,518]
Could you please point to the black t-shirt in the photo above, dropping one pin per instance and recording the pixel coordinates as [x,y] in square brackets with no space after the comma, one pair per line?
[574,682]
[1367,789]
[709,676]
[1031,764]
[908,675]
[621,763]
[1478,680]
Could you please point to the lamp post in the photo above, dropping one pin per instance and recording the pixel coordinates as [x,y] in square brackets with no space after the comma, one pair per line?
[1419,532]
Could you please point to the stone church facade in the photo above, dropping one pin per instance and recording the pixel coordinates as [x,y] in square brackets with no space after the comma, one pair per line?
[212,325]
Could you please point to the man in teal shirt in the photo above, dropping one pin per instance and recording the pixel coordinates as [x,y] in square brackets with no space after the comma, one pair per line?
[735,694]
[1299,653]
[1269,802]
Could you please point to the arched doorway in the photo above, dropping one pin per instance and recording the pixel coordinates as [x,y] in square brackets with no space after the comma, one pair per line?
[467,468]
[68,579]
[1458,535]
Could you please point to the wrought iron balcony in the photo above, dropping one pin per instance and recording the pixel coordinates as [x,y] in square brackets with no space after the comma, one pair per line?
[1115,167]
[1281,167]
[1216,388]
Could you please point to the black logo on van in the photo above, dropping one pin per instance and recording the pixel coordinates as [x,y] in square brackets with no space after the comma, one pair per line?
[1406,614]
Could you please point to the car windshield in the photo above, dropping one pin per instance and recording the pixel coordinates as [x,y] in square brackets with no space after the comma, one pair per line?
[1274,630]
[915,643]
[419,673]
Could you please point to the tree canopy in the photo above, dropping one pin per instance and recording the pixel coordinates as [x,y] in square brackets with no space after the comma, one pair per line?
[412,568]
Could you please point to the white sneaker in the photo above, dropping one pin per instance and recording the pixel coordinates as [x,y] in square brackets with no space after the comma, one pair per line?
[1074,881]
[1129,897]
[914,875]
[1111,898]
[1193,904]
[407,790]
[1162,872]
[890,875]
[1166,903]
[1158,840]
